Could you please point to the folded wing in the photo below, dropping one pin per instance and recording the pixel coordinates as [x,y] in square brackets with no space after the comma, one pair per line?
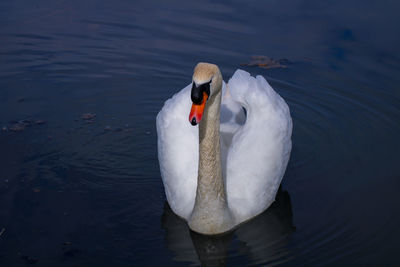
[260,148]
[178,152]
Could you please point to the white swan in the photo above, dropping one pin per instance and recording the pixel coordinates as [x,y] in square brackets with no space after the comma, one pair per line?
[227,169]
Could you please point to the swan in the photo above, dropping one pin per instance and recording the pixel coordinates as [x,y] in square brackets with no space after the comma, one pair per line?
[224,165]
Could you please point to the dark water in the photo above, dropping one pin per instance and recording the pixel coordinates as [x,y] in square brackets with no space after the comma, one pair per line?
[77,192]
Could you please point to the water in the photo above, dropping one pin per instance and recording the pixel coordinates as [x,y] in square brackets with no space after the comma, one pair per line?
[77,192]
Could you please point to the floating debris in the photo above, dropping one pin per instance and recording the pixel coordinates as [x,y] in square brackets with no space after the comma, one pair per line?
[88,116]
[18,126]
[39,122]
[267,62]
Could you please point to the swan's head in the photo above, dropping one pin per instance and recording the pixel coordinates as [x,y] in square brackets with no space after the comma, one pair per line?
[207,82]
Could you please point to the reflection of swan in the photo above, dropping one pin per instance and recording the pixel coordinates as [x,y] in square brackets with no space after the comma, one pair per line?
[262,240]
[216,186]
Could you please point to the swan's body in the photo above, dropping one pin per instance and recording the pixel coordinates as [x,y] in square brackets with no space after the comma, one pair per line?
[227,169]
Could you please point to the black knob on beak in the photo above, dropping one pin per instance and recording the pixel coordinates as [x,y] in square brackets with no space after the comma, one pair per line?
[197,92]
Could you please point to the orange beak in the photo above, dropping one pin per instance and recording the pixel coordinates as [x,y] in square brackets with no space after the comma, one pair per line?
[196,112]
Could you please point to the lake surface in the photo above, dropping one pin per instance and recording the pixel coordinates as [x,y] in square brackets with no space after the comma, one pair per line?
[81,83]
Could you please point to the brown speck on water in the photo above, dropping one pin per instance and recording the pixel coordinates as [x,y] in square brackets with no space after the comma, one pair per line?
[17,127]
[21,125]
[266,62]
[88,116]
[36,189]
[39,122]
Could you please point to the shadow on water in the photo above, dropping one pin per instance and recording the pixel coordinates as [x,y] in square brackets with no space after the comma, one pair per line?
[261,240]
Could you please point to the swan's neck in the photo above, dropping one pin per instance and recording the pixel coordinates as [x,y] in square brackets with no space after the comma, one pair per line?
[210,184]
[210,214]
